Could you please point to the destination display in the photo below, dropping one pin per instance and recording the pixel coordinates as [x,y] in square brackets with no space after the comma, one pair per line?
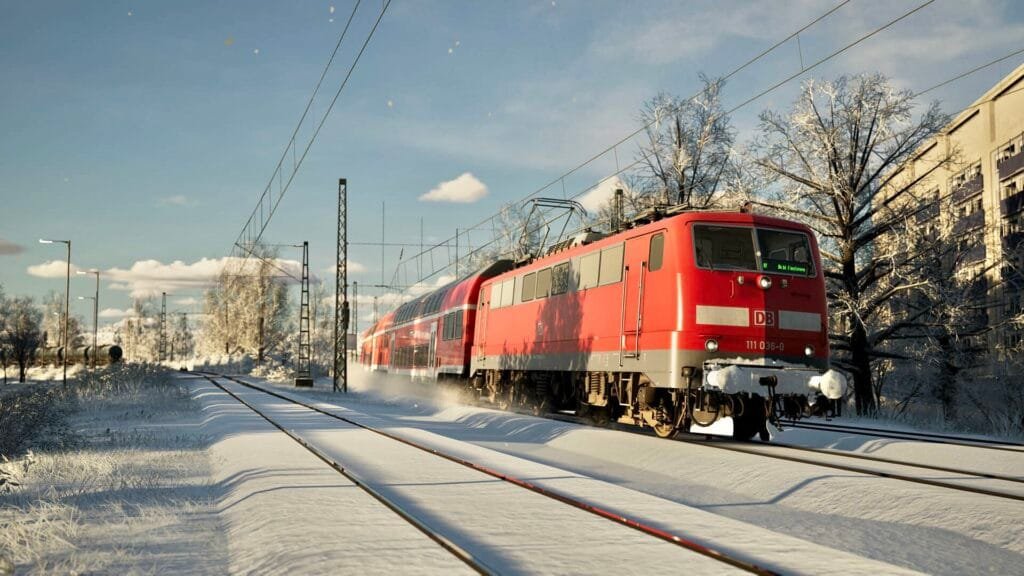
[785,267]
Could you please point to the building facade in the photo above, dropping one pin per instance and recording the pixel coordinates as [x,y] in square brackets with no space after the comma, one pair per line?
[981,194]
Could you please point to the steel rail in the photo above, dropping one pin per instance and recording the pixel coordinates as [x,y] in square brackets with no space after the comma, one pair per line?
[910,435]
[858,456]
[735,447]
[466,557]
[828,452]
[596,510]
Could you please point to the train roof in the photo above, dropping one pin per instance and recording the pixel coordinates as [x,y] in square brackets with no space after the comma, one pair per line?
[432,302]
[655,219]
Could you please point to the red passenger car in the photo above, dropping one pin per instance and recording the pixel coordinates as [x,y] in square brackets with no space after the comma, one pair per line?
[705,321]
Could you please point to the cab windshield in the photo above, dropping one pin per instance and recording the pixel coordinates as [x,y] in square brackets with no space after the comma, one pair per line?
[752,249]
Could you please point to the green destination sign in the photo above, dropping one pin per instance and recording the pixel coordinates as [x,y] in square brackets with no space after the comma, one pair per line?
[785,267]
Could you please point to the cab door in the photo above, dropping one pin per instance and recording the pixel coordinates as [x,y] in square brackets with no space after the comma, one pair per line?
[631,314]
[643,302]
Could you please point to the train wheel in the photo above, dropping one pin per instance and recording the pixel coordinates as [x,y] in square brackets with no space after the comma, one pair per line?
[541,406]
[667,430]
[599,415]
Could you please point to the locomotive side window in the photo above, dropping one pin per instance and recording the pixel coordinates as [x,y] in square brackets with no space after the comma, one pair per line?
[656,256]
[611,264]
[529,287]
[508,292]
[724,247]
[560,278]
[496,295]
[589,268]
[543,283]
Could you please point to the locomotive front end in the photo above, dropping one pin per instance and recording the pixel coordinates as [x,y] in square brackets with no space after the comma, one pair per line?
[758,333]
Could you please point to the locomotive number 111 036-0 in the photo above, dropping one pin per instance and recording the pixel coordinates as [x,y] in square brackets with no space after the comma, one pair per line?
[766,346]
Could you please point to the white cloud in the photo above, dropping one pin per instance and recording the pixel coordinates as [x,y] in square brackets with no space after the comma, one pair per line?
[600,194]
[8,248]
[187,301]
[116,313]
[151,277]
[177,200]
[353,268]
[51,269]
[464,189]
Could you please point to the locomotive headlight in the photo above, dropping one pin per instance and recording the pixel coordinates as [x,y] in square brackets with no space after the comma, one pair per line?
[711,345]
[808,350]
[765,282]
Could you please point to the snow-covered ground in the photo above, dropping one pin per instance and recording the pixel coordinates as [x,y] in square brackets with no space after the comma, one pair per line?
[149,480]
[925,528]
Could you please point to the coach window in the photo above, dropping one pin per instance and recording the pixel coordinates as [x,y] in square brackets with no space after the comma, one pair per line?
[508,292]
[543,283]
[611,264]
[560,278]
[457,328]
[655,258]
[496,294]
[529,287]
[589,267]
[446,329]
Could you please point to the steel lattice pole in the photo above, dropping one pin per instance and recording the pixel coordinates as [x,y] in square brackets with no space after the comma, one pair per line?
[341,293]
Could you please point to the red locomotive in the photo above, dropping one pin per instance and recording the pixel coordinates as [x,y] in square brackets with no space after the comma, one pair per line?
[712,322]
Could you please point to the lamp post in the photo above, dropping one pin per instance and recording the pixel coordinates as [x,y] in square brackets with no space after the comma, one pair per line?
[67,303]
[95,311]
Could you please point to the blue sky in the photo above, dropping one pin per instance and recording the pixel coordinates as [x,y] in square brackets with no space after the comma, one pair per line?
[145,131]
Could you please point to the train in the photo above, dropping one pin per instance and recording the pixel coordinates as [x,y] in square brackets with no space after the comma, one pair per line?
[109,354]
[713,322]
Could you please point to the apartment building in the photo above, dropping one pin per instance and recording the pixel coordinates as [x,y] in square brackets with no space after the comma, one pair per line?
[985,188]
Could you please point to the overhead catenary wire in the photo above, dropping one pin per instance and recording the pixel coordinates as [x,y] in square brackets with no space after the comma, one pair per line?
[298,164]
[750,100]
[614,146]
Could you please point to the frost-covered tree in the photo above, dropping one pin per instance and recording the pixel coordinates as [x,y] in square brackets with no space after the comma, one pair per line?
[53,321]
[687,158]
[182,342]
[248,311]
[836,158]
[20,333]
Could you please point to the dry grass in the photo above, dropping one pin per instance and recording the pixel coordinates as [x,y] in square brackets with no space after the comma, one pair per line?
[117,481]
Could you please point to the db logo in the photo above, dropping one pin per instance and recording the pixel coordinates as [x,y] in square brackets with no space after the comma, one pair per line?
[764,318]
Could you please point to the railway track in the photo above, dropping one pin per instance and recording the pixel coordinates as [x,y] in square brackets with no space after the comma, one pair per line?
[907,435]
[775,450]
[434,535]
[467,557]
